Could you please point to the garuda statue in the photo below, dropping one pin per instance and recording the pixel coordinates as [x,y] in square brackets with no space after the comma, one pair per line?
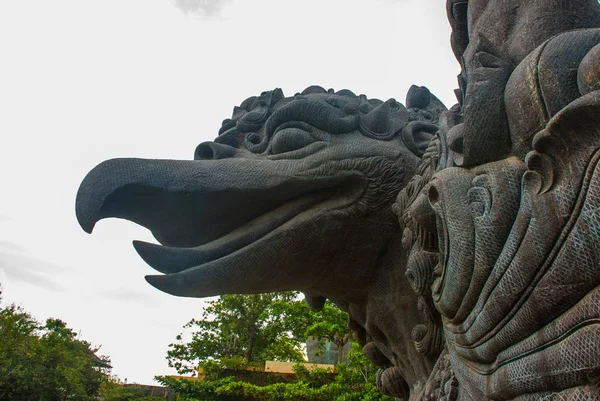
[464,243]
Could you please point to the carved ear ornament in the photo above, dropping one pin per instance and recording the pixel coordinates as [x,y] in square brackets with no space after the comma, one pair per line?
[417,135]
[549,160]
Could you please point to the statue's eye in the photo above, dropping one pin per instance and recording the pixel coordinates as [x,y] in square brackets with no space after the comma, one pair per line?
[290,139]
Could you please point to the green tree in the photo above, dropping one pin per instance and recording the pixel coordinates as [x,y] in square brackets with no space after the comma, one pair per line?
[256,327]
[354,381]
[75,371]
[330,324]
[45,362]
[18,348]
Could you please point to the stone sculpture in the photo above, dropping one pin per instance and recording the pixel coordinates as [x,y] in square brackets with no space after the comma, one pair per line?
[295,193]
[464,243]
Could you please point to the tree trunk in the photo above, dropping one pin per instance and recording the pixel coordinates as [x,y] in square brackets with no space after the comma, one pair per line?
[249,352]
[340,348]
[340,355]
[251,341]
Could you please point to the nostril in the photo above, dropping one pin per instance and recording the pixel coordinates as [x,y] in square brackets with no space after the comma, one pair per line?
[213,151]
[433,195]
[204,152]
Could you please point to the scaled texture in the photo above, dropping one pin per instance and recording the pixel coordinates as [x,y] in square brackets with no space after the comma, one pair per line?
[464,243]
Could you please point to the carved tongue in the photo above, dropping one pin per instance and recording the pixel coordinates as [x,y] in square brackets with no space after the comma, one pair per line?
[189,203]
[251,269]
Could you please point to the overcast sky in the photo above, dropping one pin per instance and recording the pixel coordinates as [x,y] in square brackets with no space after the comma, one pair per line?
[83,81]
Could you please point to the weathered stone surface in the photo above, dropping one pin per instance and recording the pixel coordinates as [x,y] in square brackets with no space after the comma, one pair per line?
[514,198]
[295,193]
[464,244]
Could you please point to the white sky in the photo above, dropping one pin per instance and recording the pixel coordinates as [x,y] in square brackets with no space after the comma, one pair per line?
[82,81]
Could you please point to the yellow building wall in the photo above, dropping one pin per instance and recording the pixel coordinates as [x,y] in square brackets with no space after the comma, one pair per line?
[287,367]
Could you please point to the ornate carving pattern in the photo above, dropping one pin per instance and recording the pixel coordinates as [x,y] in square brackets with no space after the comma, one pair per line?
[486,283]
[514,197]
[295,193]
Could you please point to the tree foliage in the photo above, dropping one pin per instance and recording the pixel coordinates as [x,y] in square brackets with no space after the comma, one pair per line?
[256,327]
[355,381]
[280,323]
[330,324]
[45,362]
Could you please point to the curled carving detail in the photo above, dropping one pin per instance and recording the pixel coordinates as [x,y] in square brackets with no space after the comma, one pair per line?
[307,180]
[519,254]
[464,243]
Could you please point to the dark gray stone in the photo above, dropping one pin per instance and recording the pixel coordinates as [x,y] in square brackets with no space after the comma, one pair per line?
[295,193]
[485,284]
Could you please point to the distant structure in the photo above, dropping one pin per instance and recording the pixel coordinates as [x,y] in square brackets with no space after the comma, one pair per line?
[464,243]
[329,353]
